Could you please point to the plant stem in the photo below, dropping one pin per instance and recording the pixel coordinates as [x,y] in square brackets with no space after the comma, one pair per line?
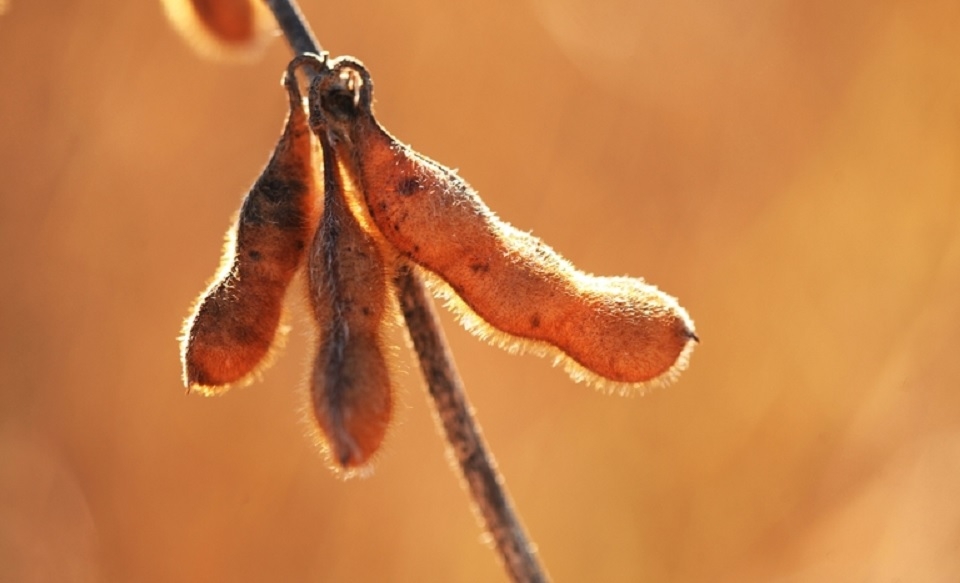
[294,27]
[463,433]
[453,410]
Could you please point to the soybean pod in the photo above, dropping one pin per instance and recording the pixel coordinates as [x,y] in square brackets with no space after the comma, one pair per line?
[350,386]
[234,324]
[222,29]
[510,287]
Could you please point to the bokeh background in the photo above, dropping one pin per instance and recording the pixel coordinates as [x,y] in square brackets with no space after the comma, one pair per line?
[790,170]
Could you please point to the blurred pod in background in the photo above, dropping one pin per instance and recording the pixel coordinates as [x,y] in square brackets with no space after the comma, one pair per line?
[222,29]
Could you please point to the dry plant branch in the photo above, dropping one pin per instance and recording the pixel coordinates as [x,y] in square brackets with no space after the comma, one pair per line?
[463,434]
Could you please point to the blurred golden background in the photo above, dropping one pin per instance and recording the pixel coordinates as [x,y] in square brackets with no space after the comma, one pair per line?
[790,170]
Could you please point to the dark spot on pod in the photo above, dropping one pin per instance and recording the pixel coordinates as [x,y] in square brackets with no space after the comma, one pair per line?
[272,188]
[254,255]
[535,321]
[409,186]
[416,248]
[366,310]
[251,213]
[272,202]
[479,267]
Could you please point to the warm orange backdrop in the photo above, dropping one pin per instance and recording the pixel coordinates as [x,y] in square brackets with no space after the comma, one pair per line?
[790,170]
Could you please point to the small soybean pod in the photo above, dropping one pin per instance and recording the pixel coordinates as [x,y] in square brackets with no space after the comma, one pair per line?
[509,286]
[222,29]
[234,324]
[350,385]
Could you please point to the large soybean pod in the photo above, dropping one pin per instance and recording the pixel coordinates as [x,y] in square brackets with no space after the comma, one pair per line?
[234,324]
[350,387]
[617,332]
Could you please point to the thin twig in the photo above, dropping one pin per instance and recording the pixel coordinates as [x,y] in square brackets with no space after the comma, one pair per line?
[294,27]
[476,465]
[462,431]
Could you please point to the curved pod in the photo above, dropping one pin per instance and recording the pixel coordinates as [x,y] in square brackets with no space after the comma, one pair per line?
[235,321]
[622,330]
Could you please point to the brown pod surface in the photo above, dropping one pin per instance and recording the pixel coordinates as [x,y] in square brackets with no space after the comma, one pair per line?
[621,329]
[351,391]
[235,322]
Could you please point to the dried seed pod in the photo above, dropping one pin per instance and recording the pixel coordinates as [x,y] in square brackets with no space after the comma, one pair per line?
[614,331]
[235,321]
[351,390]
[231,29]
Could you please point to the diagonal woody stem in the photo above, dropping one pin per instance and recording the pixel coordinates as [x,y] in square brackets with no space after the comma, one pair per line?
[463,433]
[453,410]
[294,27]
